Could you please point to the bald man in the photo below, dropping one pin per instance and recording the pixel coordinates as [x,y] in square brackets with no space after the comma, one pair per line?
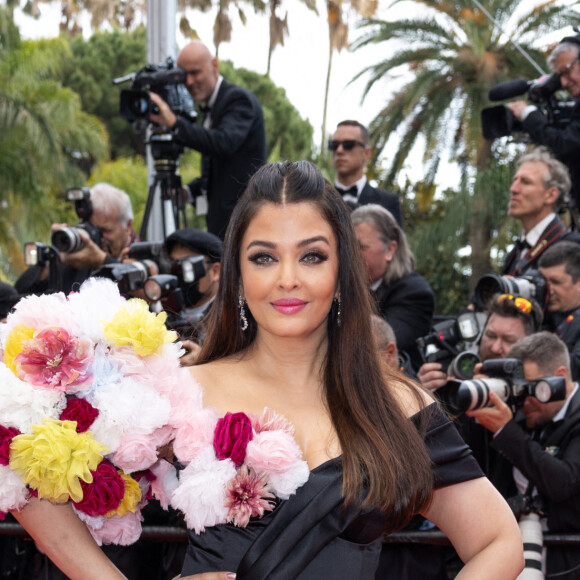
[230,136]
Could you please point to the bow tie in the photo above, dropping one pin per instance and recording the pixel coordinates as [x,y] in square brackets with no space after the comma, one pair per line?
[352,190]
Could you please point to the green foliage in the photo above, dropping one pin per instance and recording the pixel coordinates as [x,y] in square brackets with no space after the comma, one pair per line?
[286,132]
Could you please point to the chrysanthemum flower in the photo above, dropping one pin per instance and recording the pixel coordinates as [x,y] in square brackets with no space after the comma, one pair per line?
[135,325]
[53,358]
[54,457]
[247,495]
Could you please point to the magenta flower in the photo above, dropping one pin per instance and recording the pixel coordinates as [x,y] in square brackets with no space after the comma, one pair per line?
[231,436]
[55,359]
[247,495]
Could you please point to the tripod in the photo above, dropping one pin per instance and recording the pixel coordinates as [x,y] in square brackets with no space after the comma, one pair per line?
[165,194]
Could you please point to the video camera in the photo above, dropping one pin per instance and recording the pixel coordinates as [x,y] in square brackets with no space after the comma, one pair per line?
[441,345]
[499,121]
[68,239]
[506,379]
[165,79]
[532,285]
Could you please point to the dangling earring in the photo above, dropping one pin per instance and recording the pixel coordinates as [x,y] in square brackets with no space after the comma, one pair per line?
[338,311]
[243,319]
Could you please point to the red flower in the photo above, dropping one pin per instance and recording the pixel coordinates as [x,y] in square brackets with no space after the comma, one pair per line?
[247,496]
[104,493]
[232,434]
[6,434]
[81,411]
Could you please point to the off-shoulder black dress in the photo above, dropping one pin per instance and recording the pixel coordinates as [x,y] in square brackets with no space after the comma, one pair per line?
[311,536]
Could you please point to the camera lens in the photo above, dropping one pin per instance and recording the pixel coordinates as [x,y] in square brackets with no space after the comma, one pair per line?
[462,365]
[67,240]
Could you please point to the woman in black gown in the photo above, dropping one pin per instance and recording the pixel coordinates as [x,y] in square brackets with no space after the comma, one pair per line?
[290,332]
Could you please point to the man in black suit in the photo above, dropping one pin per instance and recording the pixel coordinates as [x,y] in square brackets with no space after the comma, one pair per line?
[560,266]
[231,136]
[542,443]
[563,140]
[539,187]
[350,155]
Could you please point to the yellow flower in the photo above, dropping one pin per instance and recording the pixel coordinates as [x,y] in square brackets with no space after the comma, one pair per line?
[54,457]
[19,335]
[135,325]
[131,498]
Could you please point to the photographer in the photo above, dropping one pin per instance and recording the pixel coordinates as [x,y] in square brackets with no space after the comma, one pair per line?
[563,142]
[199,296]
[231,137]
[111,219]
[560,266]
[542,443]
[539,187]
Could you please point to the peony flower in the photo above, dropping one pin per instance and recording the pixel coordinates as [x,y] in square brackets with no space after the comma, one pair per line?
[191,437]
[105,492]
[135,325]
[231,436]
[54,458]
[17,337]
[122,531]
[6,435]
[131,498]
[53,358]
[81,411]
[247,495]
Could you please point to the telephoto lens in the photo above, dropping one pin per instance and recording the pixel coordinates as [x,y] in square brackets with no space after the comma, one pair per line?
[67,240]
[533,539]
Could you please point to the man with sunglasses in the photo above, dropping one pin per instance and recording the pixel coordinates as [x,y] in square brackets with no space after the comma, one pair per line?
[563,141]
[560,266]
[350,147]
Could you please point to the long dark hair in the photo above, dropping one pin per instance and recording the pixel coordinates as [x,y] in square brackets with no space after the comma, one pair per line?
[383,456]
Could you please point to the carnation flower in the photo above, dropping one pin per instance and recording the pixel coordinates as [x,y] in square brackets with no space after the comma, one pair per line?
[54,458]
[53,358]
[135,325]
[232,433]
[247,495]
[105,492]
[81,411]
[6,435]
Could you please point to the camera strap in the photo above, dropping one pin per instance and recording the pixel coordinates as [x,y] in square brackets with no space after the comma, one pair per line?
[518,264]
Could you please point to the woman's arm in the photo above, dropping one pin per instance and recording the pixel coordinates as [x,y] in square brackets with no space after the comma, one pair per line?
[66,540]
[481,527]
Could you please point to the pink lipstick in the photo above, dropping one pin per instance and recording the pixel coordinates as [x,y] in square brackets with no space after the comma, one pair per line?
[289,305]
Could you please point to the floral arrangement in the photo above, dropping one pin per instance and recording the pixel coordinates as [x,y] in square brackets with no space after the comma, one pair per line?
[236,465]
[84,406]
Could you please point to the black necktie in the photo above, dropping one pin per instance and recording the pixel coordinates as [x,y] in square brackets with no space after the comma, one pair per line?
[352,190]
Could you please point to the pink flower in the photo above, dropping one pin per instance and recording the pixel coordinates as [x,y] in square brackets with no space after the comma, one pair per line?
[269,420]
[272,452]
[193,436]
[231,437]
[104,493]
[6,434]
[122,530]
[81,411]
[247,496]
[137,452]
[55,359]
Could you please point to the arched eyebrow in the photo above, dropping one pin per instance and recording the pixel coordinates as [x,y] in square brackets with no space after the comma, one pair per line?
[301,244]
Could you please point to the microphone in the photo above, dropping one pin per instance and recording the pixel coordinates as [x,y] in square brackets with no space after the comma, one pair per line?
[508,90]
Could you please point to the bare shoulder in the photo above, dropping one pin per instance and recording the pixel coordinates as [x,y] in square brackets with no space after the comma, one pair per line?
[410,395]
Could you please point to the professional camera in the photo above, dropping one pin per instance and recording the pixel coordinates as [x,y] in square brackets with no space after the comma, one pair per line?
[441,345]
[506,379]
[68,239]
[532,285]
[499,121]
[165,79]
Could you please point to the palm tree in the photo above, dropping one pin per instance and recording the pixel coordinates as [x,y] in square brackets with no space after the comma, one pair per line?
[453,53]
[46,138]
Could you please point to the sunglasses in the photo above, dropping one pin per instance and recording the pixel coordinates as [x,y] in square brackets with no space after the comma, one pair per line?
[522,303]
[347,144]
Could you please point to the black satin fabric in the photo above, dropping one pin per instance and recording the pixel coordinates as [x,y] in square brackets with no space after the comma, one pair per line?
[311,536]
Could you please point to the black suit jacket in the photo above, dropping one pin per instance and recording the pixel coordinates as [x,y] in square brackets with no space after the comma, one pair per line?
[407,304]
[232,149]
[569,332]
[387,199]
[553,466]
[511,259]
[564,142]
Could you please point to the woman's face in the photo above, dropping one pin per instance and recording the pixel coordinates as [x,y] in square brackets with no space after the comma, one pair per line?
[289,267]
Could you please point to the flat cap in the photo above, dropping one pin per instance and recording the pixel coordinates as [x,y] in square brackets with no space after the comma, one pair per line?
[198,241]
